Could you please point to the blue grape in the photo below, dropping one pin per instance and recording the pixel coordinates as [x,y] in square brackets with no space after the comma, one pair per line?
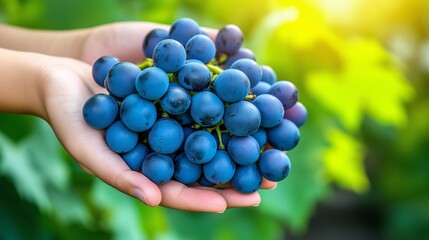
[297,114]
[184,118]
[200,147]
[242,118]
[134,158]
[286,92]
[203,181]
[169,55]
[261,137]
[284,136]
[271,110]
[220,169]
[201,47]
[186,171]
[184,29]
[152,83]
[229,39]
[159,168]
[100,111]
[274,165]
[261,88]
[232,85]
[243,150]
[194,76]
[242,53]
[101,68]
[268,75]
[176,100]
[166,136]
[121,79]
[206,108]
[121,139]
[247,179]
[250,68]
[137,113]
[152,39]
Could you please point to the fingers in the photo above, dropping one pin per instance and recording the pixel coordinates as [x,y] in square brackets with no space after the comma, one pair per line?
[236,199]
[266,184]
[178,196]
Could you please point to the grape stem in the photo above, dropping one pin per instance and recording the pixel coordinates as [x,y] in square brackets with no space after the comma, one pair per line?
[214,69]
[218,133]
[250,97]
[145,64]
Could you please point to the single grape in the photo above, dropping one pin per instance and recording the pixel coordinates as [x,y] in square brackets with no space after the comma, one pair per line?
[186,171]
[206,108]
[284,136]
[286,92]
[121,139]
[261,88]
[242,118]
[229,39]
[134,158]
[100,111]
[268,75]
[176,100]
[169,55]
[166,136]
[201,47]
[184,29]
[101,68]
[152,83]
[200,147]
[274,165]
[121,79]
[271,110]
[220,169]
[159,168]
[137,113]
[194,76]
[152,39]
[242,53]
[250,68]
[261,137]
[247,179]
[297,114]
[232,85]
[243,150]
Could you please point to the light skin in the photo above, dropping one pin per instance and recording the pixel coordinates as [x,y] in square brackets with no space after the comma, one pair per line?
[48,74]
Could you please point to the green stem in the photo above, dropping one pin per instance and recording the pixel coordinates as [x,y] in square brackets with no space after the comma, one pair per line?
[145,64]
[214,69]
[250,97]
[219,136]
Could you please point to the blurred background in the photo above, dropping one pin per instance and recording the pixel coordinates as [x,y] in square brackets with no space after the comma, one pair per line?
[361,170]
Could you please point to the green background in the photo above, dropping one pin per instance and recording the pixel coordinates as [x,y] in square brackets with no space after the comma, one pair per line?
[361,170]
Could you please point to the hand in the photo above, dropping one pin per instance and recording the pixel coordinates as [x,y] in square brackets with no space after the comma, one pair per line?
[67,83]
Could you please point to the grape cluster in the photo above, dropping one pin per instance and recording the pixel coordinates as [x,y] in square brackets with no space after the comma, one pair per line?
[197,111]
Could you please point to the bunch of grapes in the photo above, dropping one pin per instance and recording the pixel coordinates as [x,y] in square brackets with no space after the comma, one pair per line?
[197,111]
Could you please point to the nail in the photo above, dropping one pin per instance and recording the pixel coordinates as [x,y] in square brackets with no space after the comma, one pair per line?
[275,186]
[139,194]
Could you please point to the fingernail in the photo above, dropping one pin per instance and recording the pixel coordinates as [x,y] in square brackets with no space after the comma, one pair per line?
[275,186]
[221,211]
[256,205]
[139,194]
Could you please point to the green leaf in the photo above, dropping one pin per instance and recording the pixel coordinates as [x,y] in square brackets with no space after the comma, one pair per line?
[343,162]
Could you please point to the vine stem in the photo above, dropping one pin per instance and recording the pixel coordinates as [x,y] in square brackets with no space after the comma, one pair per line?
[214,69]
[145,64]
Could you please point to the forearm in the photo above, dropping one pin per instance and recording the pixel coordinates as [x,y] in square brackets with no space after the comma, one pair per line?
[55,43]
[20,87]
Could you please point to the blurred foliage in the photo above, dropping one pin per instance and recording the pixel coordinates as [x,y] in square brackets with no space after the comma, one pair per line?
[361,68]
